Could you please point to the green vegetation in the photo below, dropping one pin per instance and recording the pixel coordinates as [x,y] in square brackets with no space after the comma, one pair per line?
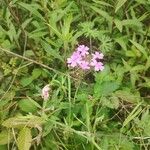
[86,110]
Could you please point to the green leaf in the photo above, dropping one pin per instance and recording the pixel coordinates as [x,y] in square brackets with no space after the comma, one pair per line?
[37,34]
[132,23]
[127,96]
[34,102]
[111,102]
[130,54]
[5,137]
[147,65]
[118,24]
[36,73]
[140,48]
[105,88]
[32,8]
[132,115]
[50,51]
[27,106]
[102,13]
[21,121]
[66,26]
[119,4]
[102,3]
[24,139]
[122,41]
[26,81]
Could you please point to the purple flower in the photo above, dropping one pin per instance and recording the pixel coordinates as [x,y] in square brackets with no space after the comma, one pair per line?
[74,60]
[84,65]
[83,50]
[80,59]
[97,55]
[98,66]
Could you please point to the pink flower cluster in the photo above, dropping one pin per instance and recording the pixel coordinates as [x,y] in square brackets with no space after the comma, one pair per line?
[82,59]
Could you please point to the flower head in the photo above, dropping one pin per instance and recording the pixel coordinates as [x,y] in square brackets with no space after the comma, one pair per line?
[84,65]
[81,58]
[74,60]
[45,92]
[83,50]
[98,66]
[97,55]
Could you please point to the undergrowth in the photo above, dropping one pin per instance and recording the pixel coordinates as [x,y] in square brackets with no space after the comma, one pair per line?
[85,109]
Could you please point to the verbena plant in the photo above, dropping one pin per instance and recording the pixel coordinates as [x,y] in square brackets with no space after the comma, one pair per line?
[83,109]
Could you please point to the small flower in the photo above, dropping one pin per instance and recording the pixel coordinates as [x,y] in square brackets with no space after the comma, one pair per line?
[83,50]
[74,60]
[98,66]
[84,65]
[97,55]
[80,59]
[45,92]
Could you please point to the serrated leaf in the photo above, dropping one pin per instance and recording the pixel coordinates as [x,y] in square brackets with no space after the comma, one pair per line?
[140,48]
[32,8]
[21,121]
[112,102]
[122,42]
[118,24]
[24,139]
[50,51]
[119,4]
[102,13]
[132,23]
[37,34]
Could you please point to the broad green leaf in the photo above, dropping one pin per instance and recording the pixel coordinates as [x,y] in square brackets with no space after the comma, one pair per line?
[27,106]
[5,137]
[105,88]
[22,121]
[24,139]
[36,73]
[119,4]
[111,102]
[34,102]
[25,81]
